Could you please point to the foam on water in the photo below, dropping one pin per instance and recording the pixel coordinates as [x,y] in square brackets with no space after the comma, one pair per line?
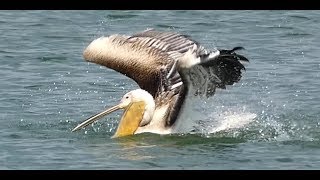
[231,120]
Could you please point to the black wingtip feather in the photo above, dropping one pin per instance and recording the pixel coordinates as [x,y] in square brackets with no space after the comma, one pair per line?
[237,48]
[229,53]
[228,66]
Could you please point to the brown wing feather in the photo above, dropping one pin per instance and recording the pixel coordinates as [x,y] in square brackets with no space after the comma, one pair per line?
[143,57]
[133,58]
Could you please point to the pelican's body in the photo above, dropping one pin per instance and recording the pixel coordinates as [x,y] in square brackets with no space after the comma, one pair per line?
[165,65]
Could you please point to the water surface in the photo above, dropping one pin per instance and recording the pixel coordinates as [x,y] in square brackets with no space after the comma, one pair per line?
[47,89]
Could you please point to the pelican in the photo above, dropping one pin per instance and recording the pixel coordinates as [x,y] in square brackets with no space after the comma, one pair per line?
[167,66]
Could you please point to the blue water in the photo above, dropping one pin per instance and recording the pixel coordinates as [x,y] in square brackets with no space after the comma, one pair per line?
[47,89]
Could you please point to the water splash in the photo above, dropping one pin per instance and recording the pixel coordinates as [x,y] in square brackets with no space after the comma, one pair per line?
[231,120]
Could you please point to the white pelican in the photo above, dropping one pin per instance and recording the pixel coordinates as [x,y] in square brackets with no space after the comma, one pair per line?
[166,66]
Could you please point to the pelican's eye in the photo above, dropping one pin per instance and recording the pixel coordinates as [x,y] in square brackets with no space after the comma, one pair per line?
[127,97]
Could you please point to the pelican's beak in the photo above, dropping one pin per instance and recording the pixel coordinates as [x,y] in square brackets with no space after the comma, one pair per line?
[129,122]
[130,119]
[97,117]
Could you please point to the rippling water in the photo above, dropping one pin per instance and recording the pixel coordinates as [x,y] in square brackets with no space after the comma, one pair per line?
[269,120]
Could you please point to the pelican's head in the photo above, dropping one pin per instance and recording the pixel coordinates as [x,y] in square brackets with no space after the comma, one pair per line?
[139,108]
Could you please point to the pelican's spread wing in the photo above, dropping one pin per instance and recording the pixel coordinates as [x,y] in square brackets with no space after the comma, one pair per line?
[166,64]
[143,57]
